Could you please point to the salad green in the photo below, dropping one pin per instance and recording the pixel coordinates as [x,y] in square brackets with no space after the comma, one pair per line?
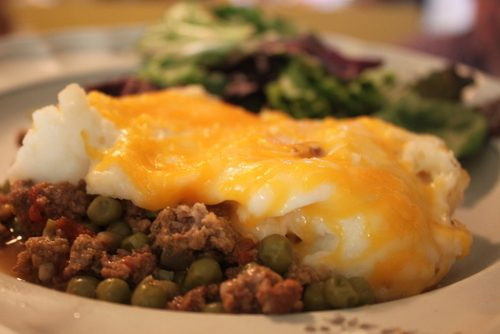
[254,61]
[182,48]
[305,90]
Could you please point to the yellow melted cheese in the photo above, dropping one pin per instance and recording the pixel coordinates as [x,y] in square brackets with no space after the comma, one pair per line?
[185,148]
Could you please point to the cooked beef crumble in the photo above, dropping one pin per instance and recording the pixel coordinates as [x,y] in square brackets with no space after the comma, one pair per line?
[183,258]
[43,259]
[196,299]
[137,218]
[35,203]
[85,255]
[257,289]
[133,267]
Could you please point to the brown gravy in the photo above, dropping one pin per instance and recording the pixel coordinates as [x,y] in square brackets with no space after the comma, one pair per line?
[8,255]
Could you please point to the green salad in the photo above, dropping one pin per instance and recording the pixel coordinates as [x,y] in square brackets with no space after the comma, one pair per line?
[259,62]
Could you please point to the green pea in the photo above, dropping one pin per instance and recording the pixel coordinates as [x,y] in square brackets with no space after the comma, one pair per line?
[213,308]
[163,275]
[314,297]
[339,293]
[113,290]
[84,286]
[204,271]
[275,251]
[120,228]
[50,228]
[104,210]
[175,262]
[179,277]
[135,241]
[364,290]
[211,254]
[153,293]
[170,288]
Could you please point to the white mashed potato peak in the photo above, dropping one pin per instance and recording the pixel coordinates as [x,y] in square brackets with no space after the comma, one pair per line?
[54,149]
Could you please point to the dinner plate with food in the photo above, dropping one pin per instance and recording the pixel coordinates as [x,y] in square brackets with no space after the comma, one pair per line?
[223,170]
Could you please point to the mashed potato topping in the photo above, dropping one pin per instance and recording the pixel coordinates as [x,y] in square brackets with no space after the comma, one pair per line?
[362,196]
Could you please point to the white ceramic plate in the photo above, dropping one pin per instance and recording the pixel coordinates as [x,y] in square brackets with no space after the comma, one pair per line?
[33,69]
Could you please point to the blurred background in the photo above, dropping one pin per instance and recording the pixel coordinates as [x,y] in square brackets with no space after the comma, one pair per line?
[461,30]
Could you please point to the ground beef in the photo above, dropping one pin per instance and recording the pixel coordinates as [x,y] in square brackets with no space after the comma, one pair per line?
[62,199]
[137,218]
[179,232]
[306,274]
[19,198]
[232,272]
[70,229]
[85,256]
[139,225]
[42,259]
[258,289]
[182,233]
[245,251]
[35,203]
[133,267]
[196,299]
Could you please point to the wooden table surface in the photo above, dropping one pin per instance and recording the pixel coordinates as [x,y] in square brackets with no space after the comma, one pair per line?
[385,23]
